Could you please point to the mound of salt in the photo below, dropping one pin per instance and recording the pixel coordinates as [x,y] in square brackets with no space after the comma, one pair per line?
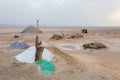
[28,55]
[30,29]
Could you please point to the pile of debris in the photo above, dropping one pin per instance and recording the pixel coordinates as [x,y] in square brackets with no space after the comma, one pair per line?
[94,45]
[72,36]
[75,36]
[19,45]
[30,29]
[56,37]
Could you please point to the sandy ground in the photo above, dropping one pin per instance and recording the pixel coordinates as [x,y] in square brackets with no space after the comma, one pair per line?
[71,64]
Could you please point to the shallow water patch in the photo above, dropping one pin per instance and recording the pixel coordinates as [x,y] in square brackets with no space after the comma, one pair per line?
[69,46]
[46,67]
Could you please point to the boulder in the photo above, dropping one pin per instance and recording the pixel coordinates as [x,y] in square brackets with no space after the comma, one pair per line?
[16,36]
[94,45]
[84,31]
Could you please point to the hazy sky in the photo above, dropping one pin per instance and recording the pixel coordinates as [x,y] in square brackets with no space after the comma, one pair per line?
[61,12]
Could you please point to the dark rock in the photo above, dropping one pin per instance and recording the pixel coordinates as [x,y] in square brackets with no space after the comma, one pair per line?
[94,45]
[16,36]
[84,31]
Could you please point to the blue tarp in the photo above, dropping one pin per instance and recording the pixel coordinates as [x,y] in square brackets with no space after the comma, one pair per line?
[19,45]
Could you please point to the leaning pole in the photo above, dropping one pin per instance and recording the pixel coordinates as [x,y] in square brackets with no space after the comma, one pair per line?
[38,44]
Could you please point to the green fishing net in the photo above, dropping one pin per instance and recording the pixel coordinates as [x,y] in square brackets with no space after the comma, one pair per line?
[46,67]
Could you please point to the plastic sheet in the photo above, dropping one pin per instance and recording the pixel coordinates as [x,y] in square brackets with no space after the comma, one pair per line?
[46,67]
[19,45]
[28,55]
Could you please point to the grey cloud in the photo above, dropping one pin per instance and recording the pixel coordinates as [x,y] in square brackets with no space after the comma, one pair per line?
[59,12]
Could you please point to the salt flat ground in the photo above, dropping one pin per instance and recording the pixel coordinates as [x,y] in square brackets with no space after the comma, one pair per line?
[73,64]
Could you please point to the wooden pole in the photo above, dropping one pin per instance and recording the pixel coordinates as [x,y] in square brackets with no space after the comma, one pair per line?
[37,28]
[38,45]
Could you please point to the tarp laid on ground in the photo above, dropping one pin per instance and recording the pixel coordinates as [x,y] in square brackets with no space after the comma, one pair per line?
[19,45]
[28,55]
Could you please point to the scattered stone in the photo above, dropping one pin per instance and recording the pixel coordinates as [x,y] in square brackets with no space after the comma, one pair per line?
[71,71]
[56,37]
[94,45]
[16,36]
[19,45]
[30,29]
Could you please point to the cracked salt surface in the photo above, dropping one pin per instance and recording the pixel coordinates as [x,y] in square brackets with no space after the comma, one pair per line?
[28,55]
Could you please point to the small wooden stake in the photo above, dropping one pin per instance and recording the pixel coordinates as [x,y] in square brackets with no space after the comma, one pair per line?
[37,28]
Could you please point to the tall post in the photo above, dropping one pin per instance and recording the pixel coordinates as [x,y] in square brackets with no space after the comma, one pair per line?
[37,28]
[38,45]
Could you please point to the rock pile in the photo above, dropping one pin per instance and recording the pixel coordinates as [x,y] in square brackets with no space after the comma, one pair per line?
[75,36]
[56,37]
[94,45]
[72,36]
